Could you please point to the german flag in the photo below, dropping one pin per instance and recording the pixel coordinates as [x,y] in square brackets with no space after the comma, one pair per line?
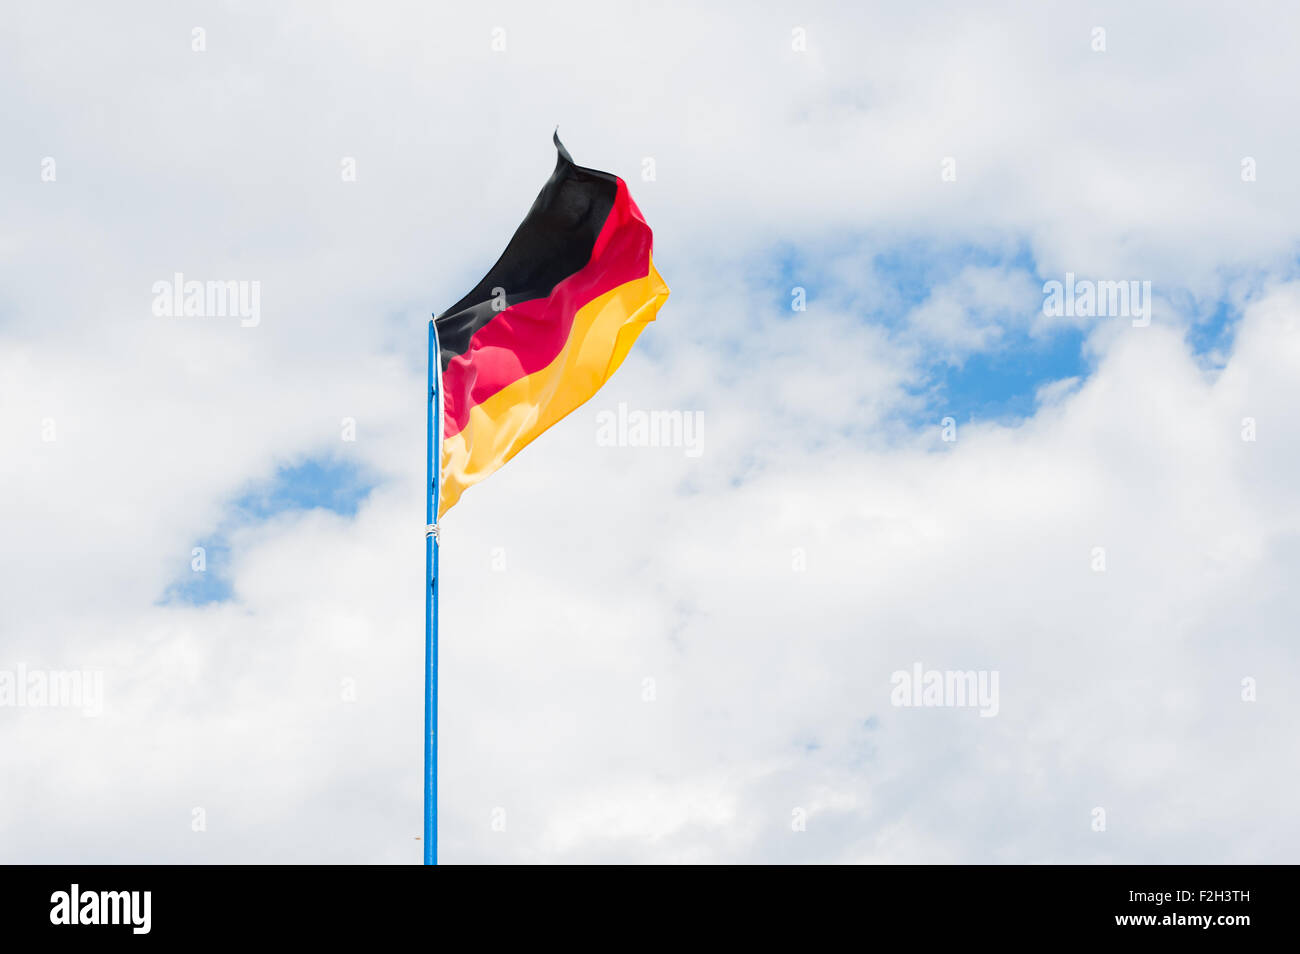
[547,326]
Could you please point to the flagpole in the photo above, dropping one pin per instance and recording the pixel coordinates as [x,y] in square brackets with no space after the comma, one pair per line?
[433,482]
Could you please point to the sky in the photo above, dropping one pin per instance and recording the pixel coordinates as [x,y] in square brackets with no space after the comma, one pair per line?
[656,654]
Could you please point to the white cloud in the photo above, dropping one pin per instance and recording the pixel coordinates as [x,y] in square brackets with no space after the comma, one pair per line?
[974,310]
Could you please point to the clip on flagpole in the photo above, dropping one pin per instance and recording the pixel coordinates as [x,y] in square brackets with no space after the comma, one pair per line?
[434,475]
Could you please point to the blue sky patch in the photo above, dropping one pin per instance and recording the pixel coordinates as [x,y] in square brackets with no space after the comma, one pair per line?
[1001,384]
[324,483]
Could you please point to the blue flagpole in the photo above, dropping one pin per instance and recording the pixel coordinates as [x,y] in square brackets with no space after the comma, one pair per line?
[431,601]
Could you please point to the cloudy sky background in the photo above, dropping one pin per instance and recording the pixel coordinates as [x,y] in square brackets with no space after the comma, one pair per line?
[580,571]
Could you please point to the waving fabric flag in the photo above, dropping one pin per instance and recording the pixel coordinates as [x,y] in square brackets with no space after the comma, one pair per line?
[547,326]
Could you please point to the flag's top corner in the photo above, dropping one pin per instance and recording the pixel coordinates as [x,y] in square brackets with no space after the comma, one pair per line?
[559,147]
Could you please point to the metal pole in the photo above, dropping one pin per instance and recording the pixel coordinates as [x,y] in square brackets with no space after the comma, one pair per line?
[434,474]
